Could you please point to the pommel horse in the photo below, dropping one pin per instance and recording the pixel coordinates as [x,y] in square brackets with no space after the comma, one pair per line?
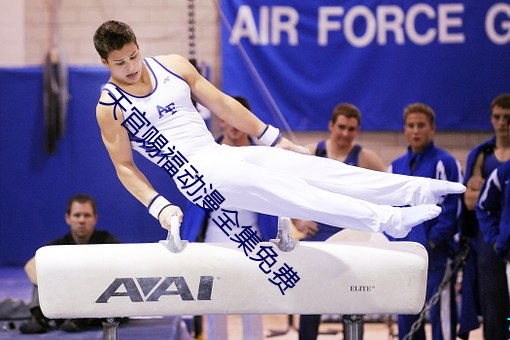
[352,276]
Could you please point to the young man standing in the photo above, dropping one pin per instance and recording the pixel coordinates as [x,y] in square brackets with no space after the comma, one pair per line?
[484,269]
[425,159]
[344,127]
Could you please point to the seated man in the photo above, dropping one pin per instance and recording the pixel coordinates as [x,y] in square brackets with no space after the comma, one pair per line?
[81,216]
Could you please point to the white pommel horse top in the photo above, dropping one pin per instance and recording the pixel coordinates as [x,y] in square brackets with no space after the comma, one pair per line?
[344,275]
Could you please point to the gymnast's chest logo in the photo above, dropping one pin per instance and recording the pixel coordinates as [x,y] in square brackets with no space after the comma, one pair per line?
[153,288]
[167,109]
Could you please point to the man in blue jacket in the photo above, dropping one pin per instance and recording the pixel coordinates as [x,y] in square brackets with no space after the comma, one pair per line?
[424,159]
[198,227]
[493,214]
[484,277]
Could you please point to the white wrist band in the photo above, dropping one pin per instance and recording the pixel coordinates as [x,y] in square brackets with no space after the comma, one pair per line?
[157,205]
[270,136]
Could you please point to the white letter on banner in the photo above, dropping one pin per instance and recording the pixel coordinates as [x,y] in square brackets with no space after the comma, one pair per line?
[385,25]
[244,26]
[490,18]
[412,13]
[445,22]
[325,25]
[350,17]
[278,25]
[264,25]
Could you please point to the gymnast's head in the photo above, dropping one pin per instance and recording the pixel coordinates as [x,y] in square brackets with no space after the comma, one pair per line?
[116,44]
[112,36]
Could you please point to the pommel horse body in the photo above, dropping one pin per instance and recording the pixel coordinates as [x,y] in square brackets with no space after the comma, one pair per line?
[152,279]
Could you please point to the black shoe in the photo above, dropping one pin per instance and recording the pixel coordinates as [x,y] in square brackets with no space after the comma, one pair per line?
[70,326]
[34,326]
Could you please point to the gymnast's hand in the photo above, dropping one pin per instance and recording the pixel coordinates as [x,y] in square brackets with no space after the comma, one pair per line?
[286,144]
[166,215]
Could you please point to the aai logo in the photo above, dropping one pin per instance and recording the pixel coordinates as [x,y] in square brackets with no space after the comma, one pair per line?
[152,288]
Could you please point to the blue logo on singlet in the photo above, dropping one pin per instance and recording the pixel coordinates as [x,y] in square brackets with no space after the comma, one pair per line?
[164,110]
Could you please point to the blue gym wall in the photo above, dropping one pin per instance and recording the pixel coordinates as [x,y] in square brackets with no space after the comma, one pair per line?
[35,185]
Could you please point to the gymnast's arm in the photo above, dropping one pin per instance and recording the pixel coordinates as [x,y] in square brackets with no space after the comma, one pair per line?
[116,141]
[224,106]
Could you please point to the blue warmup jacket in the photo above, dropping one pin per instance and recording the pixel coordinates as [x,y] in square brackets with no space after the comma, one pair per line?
[434,163]
[493,210]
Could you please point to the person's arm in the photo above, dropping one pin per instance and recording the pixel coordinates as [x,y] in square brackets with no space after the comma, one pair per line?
[474,184]
[116,140]
[30,270]
[312,148]
[368,159]
[224,106]
[306,227]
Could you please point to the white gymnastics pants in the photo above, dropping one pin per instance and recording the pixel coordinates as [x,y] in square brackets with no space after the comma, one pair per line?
[278,182]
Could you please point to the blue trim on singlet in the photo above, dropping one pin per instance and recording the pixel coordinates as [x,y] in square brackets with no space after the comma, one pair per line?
[163,66]
[490,162]
[147,95]
[321,149]
[150,93]
[351,159]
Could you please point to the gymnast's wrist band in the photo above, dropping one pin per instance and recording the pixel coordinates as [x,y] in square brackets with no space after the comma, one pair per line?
[157,205]
[270,136]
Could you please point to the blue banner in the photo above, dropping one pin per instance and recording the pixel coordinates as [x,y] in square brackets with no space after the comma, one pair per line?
[295,60]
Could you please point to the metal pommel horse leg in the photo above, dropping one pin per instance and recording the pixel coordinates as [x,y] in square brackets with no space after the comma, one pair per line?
[110,329]
[353,327]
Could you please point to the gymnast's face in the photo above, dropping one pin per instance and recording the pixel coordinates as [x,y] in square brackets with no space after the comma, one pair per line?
[82,221]
[125,64]
[344,130]
[419,131]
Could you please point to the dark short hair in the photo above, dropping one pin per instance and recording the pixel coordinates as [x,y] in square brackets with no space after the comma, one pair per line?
[112,35]
[502,100]
[348,110]
[81,198]
[420,108]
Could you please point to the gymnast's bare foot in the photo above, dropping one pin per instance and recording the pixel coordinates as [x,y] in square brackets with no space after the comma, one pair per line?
[412,216]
